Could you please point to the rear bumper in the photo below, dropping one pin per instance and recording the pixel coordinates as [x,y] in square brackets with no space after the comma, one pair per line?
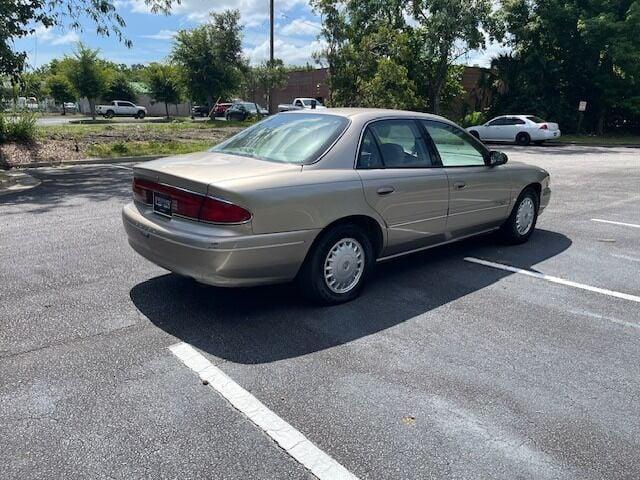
[546,135]
[210,255]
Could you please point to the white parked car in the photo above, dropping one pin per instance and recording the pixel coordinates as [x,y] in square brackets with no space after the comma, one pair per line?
[120,108]
[301,103]
[521,129]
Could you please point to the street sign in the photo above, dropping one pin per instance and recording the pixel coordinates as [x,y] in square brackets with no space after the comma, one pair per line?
[582,106]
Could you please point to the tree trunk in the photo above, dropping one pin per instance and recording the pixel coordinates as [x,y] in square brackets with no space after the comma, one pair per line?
[166,108]
[600,123]
[64,111]
[92,108]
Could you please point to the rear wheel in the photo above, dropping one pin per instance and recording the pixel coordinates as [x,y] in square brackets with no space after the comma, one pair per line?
[523,139]
[335,270]
[522,221]
[109,114]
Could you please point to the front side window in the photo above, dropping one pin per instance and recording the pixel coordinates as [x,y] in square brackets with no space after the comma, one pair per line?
[287,137]
[401,144]
[455,146]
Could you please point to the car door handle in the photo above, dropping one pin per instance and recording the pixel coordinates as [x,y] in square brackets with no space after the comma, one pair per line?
[459,185]
[386,190]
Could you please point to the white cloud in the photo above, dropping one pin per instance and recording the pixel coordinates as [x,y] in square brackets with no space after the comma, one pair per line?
[252,12]
[291,53]
[52,36]
[483,58]
[300,27]
[161,35]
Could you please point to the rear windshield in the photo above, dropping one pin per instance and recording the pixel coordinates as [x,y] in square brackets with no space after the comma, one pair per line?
[286,137]
[536,119]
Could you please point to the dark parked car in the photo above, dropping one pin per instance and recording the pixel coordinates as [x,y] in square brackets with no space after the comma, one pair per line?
[200,110]
[244,110]
[220,109]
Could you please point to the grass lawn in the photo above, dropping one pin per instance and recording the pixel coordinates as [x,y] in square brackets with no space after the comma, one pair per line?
[619,139]
[60,143]
[141,148]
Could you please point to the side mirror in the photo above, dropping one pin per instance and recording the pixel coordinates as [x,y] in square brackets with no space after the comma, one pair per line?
[497,158]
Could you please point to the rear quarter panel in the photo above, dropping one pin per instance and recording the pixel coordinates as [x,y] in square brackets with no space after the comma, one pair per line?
[302,200]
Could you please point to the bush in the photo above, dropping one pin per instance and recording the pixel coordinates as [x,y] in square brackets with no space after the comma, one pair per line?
[474,118]
[19,128]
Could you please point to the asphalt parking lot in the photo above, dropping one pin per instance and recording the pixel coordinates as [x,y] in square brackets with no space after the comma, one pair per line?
[444,368]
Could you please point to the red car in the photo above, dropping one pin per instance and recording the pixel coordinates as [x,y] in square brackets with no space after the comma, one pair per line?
[220,109]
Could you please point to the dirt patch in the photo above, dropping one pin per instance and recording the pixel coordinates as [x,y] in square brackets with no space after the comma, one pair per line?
[58,147]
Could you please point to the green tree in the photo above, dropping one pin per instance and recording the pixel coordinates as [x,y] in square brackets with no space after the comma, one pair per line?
[210,57]
[425,38]
[119,88]
[568,51]
[86,73]
[162,80]
[59,87]
[270,75]
[20,18]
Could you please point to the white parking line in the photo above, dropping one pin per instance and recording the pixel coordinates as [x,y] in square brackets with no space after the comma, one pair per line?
[632,225]
[549,278]
[290,440]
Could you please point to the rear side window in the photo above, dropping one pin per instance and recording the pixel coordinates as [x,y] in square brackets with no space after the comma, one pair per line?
[536,119]
[455,146]
[369,156]
[497,121]
[400,144]
[515,121]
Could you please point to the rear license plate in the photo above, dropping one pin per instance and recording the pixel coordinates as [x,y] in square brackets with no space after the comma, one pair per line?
[162,204]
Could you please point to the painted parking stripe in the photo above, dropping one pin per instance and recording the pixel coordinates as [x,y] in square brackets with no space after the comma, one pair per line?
[549,278]
[632,225]
[288,438]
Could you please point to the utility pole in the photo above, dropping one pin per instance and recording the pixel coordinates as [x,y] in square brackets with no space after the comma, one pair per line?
[270,53]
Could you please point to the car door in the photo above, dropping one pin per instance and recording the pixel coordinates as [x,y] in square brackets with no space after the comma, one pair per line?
[494,129]
[512,126]
[402,181]
[479,194]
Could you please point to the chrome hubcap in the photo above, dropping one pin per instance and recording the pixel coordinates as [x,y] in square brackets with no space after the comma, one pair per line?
[524,217]
[344,265]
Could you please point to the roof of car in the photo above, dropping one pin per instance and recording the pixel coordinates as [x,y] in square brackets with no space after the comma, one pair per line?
[367,113]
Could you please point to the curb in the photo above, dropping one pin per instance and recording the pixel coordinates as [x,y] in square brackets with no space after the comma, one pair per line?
[90,161]
[600,145]
[17,182]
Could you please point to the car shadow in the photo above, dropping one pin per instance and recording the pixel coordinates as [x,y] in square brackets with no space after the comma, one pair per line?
[266,324]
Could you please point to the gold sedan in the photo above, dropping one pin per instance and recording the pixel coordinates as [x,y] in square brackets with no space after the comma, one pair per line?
[321,196]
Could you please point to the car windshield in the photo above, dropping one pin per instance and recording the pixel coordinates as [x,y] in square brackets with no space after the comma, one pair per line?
[536,119]
[287,137]
[307,101]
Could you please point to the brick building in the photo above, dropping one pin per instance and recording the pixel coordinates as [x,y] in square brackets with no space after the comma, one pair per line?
[313,83]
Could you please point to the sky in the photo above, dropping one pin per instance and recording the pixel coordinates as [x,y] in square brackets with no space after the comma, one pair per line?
[296,33]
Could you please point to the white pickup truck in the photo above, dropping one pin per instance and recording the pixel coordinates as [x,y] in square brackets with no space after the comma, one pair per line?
[300,104]
[120,108]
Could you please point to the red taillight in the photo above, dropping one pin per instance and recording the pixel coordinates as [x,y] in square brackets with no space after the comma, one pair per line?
[218,211]
[141,191]
[544,127]
[191,205]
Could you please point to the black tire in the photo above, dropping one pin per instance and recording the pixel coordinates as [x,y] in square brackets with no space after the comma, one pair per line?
[109,114]
[311,278]
[509,229]
[523,139]
[475,134]
[140,115]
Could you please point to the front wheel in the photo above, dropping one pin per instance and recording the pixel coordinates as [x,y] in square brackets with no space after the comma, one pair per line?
[140,115]
[522,221]
[338,265]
